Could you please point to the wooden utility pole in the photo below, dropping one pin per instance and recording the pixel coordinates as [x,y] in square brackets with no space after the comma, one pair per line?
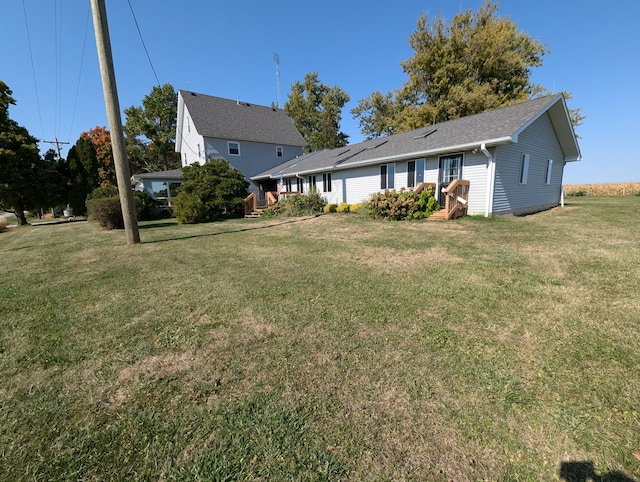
[123,174]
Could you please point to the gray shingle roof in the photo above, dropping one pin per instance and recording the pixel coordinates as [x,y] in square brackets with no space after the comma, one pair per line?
[229,119]
[493,127]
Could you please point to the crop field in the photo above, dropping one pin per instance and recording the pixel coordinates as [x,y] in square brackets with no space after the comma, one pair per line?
[325,348]
[604,189]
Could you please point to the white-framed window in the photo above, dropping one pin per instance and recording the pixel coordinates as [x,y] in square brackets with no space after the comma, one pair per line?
[287,184]
[387,176]
[311,180]
[188,125]
[234,148]
[301,186]
[547,178]
[524,168]
[326,182]
[199,152]
[279,151]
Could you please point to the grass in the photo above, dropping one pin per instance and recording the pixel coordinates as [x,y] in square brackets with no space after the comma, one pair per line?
[327,348]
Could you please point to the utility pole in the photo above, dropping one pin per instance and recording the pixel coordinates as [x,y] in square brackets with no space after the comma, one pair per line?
[57,144]
[112,104]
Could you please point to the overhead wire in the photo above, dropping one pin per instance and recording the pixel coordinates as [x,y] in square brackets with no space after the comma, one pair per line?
[143,44]
[33,67]
[84,45]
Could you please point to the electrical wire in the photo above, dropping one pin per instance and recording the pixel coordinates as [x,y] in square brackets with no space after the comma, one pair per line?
[84,45]
[143,44]
[33,67]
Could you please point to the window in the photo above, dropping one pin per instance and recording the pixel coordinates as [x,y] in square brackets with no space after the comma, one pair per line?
[524,168]
[547,179]
[326,182]
[188,125]
[450,169]
[419,171]
[287,185]
[411,174]
[312,182]
[387,176]
[279,152]
[301,186]
[234,148]
[199,152]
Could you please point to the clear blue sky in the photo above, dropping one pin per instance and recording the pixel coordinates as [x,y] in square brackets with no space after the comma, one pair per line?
[227,49]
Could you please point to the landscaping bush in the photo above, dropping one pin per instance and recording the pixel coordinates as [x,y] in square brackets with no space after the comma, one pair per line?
[298,205]
[356,208]
[107,211]
[330,208]
[343,207]
[400,205]
[212,191]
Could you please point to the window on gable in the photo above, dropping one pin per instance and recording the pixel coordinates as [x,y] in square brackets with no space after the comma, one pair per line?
[524,168]
[326,182]
[279,152]
[547,179]
[199,152]
[234,148]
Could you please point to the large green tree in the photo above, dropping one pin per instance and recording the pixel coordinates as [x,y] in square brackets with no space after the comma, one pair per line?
[83,175]
[476,62]
[316,110]
[150,131]
[25,177]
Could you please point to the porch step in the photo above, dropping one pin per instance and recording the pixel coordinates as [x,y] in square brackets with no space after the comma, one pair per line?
[438,216]
[254,214]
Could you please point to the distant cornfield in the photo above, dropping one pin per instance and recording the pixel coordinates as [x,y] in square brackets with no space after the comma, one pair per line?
[604,189]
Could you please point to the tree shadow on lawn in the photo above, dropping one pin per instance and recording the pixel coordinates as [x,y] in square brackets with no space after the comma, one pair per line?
[584,471]
[239,230]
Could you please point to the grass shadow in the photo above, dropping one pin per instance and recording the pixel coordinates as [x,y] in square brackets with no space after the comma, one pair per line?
[584,471]
[239,230]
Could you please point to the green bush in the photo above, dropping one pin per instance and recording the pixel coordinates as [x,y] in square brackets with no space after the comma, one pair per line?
[212,191]
[329,208]
[149,208]
[104,192]
[298,205]
[189,208]
[343,207]
[400,205]
[107,212]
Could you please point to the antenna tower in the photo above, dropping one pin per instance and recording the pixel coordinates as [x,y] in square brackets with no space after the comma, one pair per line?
[276,59]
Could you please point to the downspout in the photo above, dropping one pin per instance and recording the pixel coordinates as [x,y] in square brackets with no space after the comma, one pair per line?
[491,179]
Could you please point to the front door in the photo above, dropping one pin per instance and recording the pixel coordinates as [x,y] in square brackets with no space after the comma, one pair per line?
[450,170]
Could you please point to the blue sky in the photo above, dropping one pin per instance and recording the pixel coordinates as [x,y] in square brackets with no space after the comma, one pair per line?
[227,49]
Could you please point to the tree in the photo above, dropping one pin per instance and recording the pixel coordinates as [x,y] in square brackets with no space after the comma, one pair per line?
[210,191]
[83,176]
[22,171]
[316,110]
[150,131]
[101,140]
[479,61]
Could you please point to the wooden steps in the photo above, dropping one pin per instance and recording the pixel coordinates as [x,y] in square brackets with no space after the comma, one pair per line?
[438,216]
[254,214]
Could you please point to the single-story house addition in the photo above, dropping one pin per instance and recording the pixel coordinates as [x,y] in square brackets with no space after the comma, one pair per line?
[252,138]
[159,185]
[513,158]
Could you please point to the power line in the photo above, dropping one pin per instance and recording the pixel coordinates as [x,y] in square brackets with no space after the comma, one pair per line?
[143,44]
[33,67]
[84,45]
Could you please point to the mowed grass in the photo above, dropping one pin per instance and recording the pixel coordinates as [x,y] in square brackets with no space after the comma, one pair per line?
[327,348]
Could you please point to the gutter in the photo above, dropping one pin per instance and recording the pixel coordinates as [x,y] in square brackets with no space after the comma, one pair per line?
[491,180]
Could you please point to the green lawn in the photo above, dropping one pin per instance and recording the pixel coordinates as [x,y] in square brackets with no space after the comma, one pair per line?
[329,348]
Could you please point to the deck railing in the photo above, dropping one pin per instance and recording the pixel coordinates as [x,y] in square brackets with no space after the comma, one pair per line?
[253,205]
[456,199]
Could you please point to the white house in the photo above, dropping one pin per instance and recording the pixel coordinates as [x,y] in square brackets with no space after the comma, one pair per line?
[513,158]
[252,138]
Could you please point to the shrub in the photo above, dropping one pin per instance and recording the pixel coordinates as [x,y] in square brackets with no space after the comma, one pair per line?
[330,208]
[3,224]
[107,211]
[298,205]
[189,208]
[402,205]
[149,208]
[211,191]
[356,208]
[104,192]
[343,207]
